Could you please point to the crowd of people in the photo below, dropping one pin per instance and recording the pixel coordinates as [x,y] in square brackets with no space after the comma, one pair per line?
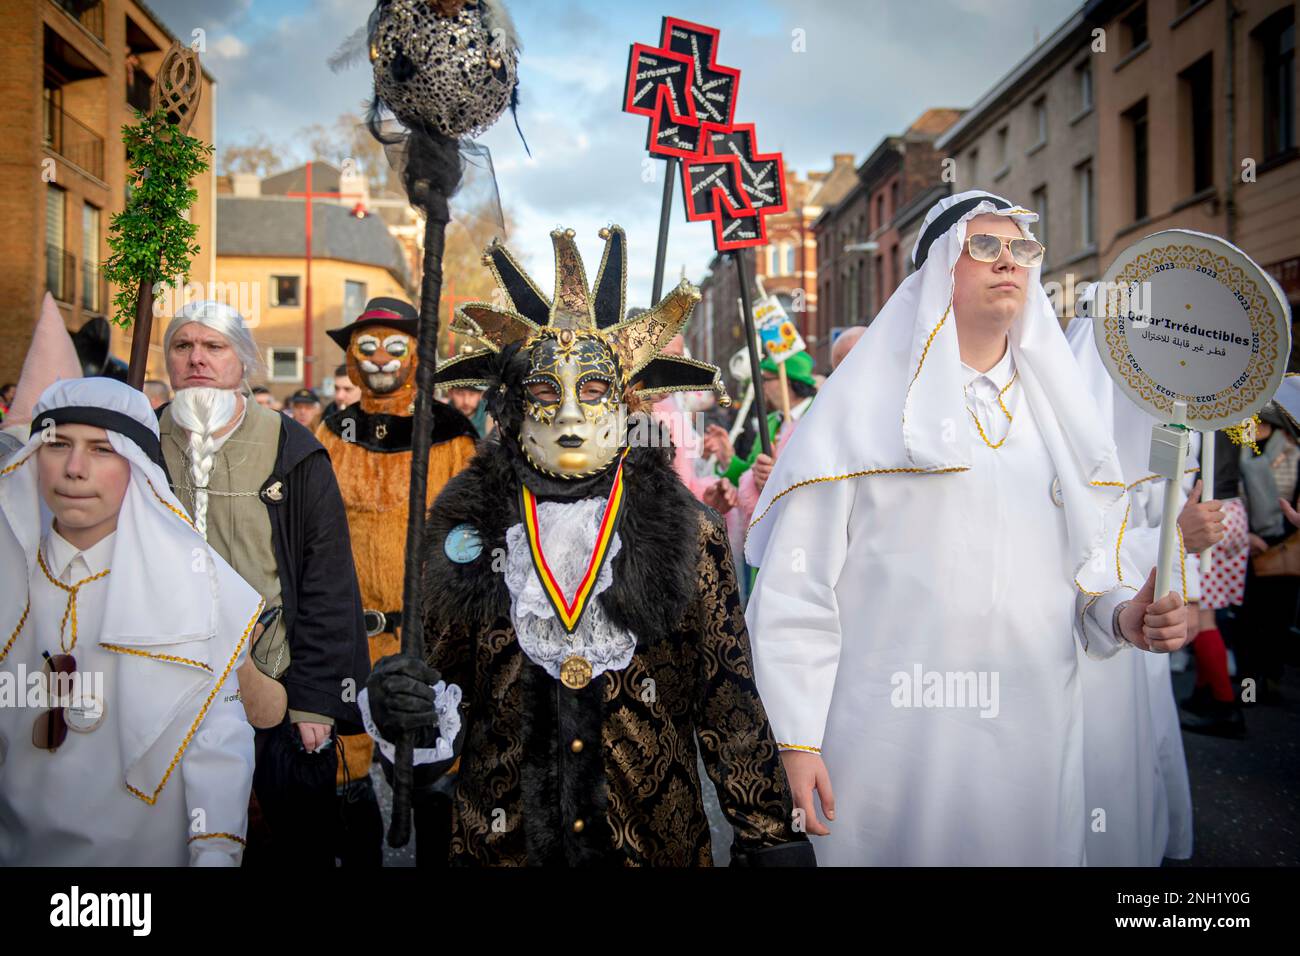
[927,522]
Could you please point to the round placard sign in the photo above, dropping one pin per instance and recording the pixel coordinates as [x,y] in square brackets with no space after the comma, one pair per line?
[1182,316]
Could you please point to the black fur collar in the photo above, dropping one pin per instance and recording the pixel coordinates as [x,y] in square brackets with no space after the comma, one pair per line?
[390,433]
[654,572]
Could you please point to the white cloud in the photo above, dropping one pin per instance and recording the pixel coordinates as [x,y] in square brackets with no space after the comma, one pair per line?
[229,47]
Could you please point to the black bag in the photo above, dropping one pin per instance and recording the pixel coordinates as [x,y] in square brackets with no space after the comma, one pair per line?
[296,793]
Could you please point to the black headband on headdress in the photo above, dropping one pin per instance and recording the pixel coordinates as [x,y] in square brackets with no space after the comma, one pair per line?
[104,418]
[948,218]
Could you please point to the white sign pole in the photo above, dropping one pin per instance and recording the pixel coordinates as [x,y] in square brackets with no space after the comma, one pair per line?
[1168,458]
[1207,488]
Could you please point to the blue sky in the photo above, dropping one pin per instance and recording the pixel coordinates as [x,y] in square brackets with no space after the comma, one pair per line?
[869,68]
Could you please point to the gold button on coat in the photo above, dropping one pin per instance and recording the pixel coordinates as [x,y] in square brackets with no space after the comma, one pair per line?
[577,826]
[576,746]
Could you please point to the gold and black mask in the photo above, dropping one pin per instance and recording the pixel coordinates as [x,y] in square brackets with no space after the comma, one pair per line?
[583,355]
[571,414]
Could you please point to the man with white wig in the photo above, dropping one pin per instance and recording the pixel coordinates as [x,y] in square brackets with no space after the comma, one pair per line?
[130,632]
[263,493]
[921,573]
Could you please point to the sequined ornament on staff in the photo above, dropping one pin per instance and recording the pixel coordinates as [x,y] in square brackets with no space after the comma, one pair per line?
[449,66]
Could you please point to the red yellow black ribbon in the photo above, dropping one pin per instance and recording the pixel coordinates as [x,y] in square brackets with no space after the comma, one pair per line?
[570,611]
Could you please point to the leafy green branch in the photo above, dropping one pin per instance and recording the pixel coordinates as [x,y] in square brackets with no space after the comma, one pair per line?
[151,237]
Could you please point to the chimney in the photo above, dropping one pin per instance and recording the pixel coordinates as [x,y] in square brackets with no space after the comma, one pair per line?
[844,159]
[246,184]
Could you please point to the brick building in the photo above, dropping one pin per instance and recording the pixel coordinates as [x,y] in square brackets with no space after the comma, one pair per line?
[1197,110]
[787,265]
[71,74]
[1033,138]
[261,260]
[859,242]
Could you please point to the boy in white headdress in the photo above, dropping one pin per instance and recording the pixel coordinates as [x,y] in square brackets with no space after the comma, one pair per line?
[140,752]
[921,573]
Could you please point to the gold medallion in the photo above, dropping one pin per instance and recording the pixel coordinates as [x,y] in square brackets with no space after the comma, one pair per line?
[575,672]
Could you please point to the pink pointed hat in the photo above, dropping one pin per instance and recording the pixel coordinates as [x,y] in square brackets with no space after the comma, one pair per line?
[50,357]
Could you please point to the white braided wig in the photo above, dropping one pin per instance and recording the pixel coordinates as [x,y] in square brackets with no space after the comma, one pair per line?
[203,411]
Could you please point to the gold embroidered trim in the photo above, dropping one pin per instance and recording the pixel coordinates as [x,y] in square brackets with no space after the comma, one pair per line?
[926,350]
[1119,543]
[985,438]
[16,465]
[17,630]
[119,649]
[811,750]
[1140,481]
[230,664]
[856,474]
[170,507]
[980,426]
[1002,406]
[218,836]
[70,610]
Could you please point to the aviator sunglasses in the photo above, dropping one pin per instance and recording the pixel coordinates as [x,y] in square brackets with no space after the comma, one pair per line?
[988,248]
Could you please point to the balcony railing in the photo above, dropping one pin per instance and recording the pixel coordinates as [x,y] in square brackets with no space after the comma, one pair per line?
[94,289]
[60,273]
[89,13]
[74,140]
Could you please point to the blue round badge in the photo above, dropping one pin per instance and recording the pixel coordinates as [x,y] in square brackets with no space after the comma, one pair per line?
[463,544]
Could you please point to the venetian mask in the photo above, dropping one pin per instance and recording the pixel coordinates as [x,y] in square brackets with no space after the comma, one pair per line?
[381,360]
[585,353]
[571,396]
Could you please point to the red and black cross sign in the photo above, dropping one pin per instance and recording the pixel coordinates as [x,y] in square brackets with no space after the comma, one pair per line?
[679,85]
[734,186]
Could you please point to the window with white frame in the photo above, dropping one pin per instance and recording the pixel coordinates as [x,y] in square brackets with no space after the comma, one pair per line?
[284,290]
[284,363]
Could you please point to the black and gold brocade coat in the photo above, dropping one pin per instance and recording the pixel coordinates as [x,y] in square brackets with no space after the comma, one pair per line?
[606,775]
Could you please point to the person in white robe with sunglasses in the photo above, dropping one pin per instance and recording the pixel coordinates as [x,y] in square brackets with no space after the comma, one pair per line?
[936,535]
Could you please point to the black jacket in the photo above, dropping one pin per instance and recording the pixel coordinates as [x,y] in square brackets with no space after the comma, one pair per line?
[631,776]
[318,582]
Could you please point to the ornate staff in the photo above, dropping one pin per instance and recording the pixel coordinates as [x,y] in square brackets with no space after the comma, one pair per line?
[446,69]
[151,237]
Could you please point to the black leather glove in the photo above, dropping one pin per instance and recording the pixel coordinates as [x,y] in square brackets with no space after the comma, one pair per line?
[401,699]
[797,853]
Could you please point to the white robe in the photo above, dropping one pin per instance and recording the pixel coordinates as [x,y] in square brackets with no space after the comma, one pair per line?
[71,807]
[1134,767]
[866,581]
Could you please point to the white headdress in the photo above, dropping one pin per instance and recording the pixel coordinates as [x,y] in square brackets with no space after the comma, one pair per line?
[175,610]
[895,405]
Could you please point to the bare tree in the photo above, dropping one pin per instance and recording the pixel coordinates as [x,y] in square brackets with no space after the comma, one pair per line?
[257,155]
